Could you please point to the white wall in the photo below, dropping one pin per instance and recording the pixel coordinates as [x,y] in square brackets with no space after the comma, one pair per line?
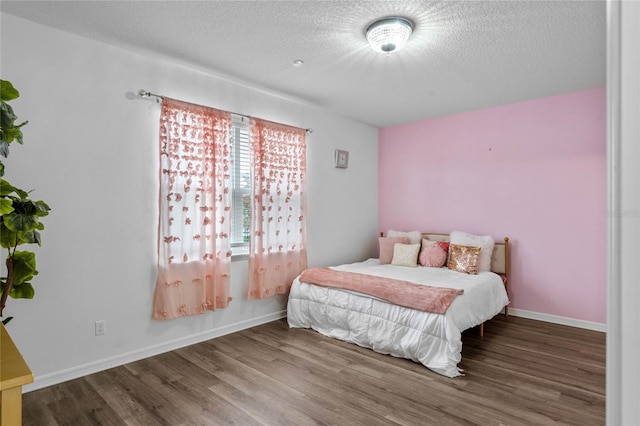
[91,152]
[623,336]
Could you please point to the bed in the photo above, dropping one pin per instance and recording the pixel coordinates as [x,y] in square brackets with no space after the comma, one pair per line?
[433,339]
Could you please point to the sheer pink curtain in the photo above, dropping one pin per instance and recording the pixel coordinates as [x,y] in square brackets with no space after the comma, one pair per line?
[278,245]
[194,256]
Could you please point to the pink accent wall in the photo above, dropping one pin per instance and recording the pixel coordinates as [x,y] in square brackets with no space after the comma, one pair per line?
[534,171]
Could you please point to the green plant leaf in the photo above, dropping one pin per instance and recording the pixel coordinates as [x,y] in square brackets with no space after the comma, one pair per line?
[23,291]
[20,222]
[1,169]
[6,188]
[7,91]
[6,320]
[8,238]
[24,267]
[25,205]
[42,208]
[31,237]
[6,206]
[7,116]
[11,237]
[4,146]
[9,135]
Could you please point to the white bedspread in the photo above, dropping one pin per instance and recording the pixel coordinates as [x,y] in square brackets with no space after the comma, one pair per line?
[431,339]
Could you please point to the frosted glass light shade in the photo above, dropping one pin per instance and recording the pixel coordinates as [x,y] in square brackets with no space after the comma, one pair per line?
[389,34]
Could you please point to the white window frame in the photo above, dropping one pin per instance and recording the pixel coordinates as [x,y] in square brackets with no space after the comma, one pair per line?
[241,188]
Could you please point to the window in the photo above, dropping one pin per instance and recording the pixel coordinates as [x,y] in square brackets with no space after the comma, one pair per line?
[241,187]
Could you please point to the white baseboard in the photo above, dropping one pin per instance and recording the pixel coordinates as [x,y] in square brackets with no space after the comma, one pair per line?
[104,364]
[589,325]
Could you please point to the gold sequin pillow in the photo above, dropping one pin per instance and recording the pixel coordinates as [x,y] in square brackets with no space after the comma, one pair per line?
[464,258]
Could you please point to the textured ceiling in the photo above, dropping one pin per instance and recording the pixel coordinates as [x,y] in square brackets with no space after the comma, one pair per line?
[463,55]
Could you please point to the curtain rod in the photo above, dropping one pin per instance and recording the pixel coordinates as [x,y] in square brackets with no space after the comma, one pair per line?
[146,94]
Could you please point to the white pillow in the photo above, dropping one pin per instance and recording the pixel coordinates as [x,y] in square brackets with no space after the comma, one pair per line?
[415,237]
[485,242]
[405,255]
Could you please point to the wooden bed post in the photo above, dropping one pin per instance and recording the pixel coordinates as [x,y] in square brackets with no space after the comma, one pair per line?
[506,271]
[506,282]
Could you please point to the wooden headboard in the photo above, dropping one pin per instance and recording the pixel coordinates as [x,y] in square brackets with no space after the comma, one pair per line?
[499,258]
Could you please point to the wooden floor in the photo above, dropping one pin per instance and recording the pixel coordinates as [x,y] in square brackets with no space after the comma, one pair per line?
[522,372]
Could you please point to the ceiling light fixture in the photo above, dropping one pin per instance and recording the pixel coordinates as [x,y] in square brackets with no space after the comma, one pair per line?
[389,34]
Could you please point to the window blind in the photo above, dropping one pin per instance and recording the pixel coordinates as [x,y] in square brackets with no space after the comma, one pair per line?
[241,191]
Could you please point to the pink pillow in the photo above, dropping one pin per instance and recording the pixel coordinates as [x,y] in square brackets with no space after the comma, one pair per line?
[433,256]
[386,247]
[444,245]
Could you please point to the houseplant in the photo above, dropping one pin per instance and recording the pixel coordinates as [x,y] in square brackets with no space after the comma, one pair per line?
[19,215]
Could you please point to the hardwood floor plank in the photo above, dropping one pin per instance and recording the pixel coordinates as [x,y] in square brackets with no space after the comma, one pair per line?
[154,394]
[115,395]
[264,406]
[522,372]
[82,404]
[36,411]
[327,400]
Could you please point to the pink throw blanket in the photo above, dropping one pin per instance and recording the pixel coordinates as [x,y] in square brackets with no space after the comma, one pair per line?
[404,293]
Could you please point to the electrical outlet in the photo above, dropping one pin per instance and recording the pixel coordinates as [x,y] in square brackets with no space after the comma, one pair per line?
[99,327]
